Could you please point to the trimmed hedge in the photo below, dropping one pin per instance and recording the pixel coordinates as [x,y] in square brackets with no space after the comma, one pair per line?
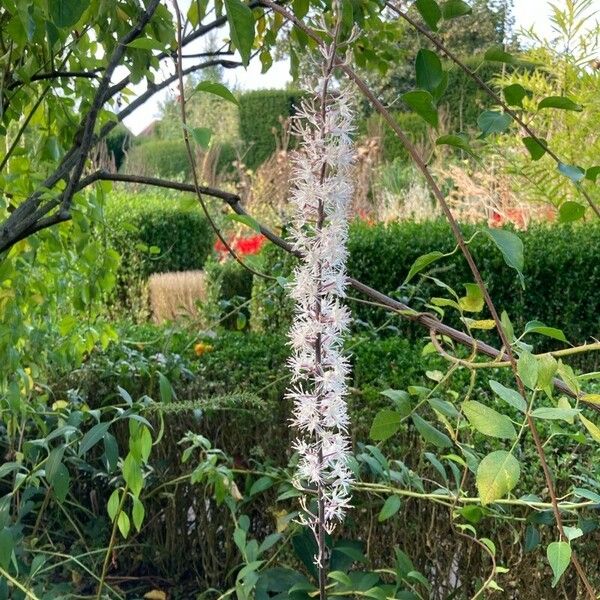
[260,113]
[154,233]
[159,158]
[562,274]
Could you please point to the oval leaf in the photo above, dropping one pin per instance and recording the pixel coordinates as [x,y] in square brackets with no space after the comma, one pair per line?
[559,557]
[488,421]
[497,475]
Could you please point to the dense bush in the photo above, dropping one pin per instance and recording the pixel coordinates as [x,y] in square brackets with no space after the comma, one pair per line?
[154,233]
[261,112]
[118,143]
[382,255]
[159,158]
[412,125]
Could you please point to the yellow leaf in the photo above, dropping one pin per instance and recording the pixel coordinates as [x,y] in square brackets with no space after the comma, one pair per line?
[591,398]
[591,427]
[482,324]
[155,595]
[59,405]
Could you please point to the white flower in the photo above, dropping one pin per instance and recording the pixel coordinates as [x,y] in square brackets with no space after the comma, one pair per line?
[321,196]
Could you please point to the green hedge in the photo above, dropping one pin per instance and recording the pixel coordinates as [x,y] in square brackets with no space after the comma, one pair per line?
[154,233]
[562,274]
[159,158]
[260,113]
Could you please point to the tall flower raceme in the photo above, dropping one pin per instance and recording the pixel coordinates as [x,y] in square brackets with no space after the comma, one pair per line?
[321,198]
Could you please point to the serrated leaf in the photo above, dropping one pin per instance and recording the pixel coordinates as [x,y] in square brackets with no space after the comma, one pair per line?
[421,102]
[497,475]
[241,26]
[455,8]
[559,557]
[561,102]
[488,421]
[430,11]
[535,149]
[390,507]
[422,262]
[492,121]
[570,211]
[217,89]
[385,424]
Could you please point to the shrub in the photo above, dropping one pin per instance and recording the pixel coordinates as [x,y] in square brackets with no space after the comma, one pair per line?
[154,234]
[382,255]
[118,143]
[159,158]
[260,113]
[411,124]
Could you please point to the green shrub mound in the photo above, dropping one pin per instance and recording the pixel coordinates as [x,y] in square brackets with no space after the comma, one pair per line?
[154,234]
[261,112]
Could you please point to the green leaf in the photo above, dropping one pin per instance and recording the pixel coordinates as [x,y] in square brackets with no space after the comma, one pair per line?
[488,421]
[401,401]
[429,70]
[460,141]
[498,54]
[455,8]
[241,25]
[509,396]
[246,220]
[430,434]
[65,13]
[514,94]
[201,135]
[511,247]
[473,301]
[421,102]
[260,485]
[559,557]
[113,505]
[166,389]
[430,11]
[7,543]
[146,44]
[592,173]
[60,482]
[390,507]
[554,414]
[539,327]
[92,437]
[423,261]
[536,150]
[574,173]
[497,475]
[570,211]
[132,474]
[52,463]
[561,102]
[123,523]
[592,428]
[527,367]
[138,512]
[385,424]
[492,121]
[218,89]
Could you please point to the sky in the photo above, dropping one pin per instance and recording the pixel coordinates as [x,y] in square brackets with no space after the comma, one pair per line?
[527,13]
